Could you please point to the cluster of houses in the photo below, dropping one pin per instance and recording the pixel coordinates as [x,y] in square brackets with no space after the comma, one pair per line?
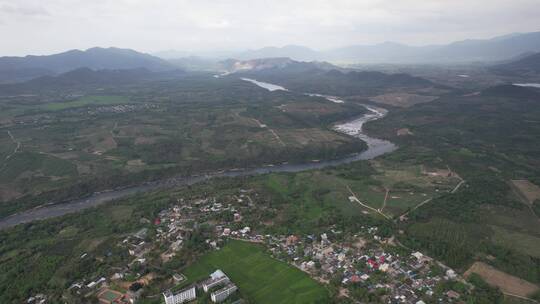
[173,226]
[105,295]
[118,109]
[360,260]
[218,284]
[137,247]
[178,221]
[364,259]
[37,299]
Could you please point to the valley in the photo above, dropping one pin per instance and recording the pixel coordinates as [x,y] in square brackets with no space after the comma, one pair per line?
[375,147]
[300,182]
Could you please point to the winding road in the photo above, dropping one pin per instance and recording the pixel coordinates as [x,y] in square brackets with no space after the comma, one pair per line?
[17,148]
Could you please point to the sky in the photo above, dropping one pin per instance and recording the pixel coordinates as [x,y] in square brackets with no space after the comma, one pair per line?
[52,26]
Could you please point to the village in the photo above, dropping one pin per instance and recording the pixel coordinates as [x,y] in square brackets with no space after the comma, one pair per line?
[362,266]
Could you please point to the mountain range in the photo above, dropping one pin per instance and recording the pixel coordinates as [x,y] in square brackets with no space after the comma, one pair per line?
[511,53]
[322,77]
[16,69]
[86,78]
[474,50]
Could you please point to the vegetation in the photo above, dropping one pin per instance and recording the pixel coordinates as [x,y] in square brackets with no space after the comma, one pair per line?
[77,141]
[489,139]
[260,278]
[64,143]
[45,256]
[310,78]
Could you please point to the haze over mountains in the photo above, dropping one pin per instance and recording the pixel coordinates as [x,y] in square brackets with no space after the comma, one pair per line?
[322,77]
[495,49]
[509,54]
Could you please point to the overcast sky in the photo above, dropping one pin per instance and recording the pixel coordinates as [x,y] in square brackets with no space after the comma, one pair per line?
[49,26]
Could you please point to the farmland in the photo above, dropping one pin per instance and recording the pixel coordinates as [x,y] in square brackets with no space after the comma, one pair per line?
[454,189]
[402,99]
[507,283]
[85,101]
[486,219]
[527,190]
[314,192]
[72,144]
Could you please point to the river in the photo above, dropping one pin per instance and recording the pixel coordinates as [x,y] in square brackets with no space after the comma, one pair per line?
[530,85]
[376,147]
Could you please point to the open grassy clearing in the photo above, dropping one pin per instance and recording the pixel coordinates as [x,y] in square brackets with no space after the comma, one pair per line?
[259,277]
[528,191]
[522,220]
[27,164]
[313,192]
[525,243]
[404,100]
[93,100]
[407,186]
[11,109]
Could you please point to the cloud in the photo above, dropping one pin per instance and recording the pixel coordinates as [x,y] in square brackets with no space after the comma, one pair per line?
[18,9]
[235,24]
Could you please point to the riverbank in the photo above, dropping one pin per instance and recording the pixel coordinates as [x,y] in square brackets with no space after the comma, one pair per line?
[376,147]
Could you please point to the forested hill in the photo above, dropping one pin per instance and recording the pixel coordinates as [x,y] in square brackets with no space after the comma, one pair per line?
[528,64]
[86,78]
[16,69]
[319,78]
[512,91]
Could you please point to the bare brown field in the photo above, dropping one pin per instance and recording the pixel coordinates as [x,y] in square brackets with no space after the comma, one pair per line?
[507,283]
[8,193]
[527,190]
[143,140]
[83,169]
[310,107]
[404,132]
[403,100]
[135,165]
[302,137]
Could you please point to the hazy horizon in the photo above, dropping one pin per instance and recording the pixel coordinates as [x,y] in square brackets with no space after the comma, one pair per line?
[29,27]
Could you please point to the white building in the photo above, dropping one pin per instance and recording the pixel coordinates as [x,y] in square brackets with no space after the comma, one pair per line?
[222,294]
[451,274]
[182,296]
[245,230]
[216,278]
[384,267]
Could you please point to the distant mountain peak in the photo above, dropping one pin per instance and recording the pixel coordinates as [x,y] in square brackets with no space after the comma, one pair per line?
[96,58]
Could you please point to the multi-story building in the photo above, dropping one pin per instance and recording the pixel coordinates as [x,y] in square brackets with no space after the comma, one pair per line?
[222,294]
[182,296]
[216,279]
